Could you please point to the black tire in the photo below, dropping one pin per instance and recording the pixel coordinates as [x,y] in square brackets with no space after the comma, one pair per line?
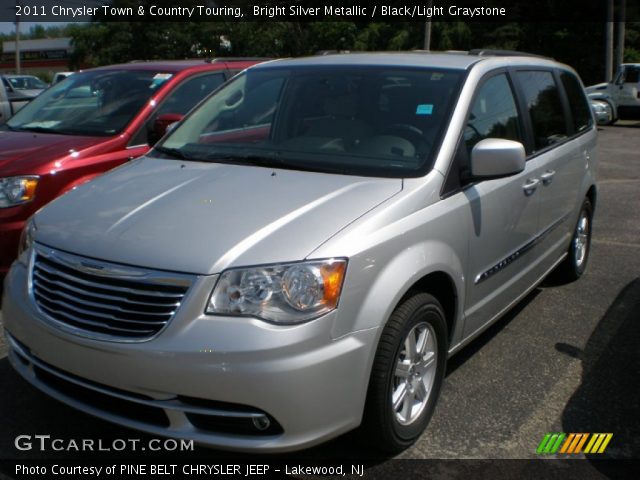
[614,119]
[381,426]
[575,263]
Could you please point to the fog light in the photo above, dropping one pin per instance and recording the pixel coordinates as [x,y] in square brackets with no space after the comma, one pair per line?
[262,422]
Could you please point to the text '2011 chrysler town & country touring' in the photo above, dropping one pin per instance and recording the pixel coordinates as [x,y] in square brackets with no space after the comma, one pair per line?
[302,253]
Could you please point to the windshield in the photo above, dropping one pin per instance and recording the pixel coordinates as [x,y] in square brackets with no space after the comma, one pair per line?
[97,103]
[377,121]
[27,83]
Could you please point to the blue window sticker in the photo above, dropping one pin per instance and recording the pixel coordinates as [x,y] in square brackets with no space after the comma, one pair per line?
[424,109]
[159,79]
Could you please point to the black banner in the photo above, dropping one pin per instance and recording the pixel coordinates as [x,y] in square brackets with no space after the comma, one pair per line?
[310,11]
[261,468]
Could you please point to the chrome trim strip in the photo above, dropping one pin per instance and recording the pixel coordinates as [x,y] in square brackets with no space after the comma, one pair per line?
[103,306]
[512,257]
[39,277]
[456,348]
[161,404]
[83,311]
[89,283]
[90,323]
[108,269]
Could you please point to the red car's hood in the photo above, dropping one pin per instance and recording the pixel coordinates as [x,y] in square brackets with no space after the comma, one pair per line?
[27,152]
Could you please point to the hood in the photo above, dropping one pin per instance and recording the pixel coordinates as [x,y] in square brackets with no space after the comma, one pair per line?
[204,217]
[30,92]
[599,87]
[27,152]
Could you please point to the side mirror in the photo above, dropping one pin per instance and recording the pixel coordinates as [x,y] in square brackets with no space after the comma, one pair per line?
[496,157]
[165,123]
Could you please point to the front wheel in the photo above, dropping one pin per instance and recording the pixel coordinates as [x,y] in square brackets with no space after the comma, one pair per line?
[612,117]
[407,374]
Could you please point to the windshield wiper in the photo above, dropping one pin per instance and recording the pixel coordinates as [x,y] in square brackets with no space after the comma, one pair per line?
[247,159]
[174,152]
[36,129]
[272,162]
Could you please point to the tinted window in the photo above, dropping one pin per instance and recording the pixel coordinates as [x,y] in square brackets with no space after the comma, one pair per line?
[577,102]
[545,108]
[632,75]
[254,107]
[190,92]
[382,121]
[494,113]
[97,102]
[27,83]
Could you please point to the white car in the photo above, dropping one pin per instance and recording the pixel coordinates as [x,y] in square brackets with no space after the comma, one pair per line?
[58,77]
[622,94]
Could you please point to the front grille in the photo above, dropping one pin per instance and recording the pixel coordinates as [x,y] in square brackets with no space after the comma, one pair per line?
[104,300]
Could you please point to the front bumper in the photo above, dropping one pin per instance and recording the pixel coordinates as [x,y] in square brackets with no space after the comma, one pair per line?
[203,378]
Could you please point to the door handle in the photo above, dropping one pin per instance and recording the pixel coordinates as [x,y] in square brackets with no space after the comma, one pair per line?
[547,177]
[530,186]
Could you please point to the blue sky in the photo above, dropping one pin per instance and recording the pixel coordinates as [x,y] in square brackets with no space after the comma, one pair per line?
[8,27]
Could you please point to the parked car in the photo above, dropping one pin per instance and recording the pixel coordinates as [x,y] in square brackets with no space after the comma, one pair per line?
[93,122]
[622,94]
[304,251]
[16,91]
[10,100]
[59,76]
[27,84]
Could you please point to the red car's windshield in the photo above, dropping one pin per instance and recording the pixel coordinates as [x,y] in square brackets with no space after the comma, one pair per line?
[97,103]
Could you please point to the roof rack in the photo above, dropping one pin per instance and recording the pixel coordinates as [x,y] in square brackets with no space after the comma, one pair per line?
[482,52]
[322,53]
[235,59]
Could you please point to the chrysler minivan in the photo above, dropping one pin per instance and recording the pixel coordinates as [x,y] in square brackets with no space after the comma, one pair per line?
[302,253]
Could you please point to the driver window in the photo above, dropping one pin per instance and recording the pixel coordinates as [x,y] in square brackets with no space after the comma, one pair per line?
[632,75]
[494,113]
[180,101]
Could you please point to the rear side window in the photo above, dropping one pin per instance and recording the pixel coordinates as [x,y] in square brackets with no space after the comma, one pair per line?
[577,102]
[545,108]
[494,113]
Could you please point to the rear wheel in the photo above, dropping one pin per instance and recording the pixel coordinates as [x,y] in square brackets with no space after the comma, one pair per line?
[575,264]
[407,374]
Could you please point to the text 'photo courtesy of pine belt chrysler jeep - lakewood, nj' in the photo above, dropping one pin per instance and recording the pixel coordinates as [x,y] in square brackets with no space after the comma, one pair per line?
[299,255]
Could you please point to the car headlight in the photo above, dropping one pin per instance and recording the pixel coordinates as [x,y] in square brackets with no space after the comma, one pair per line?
[26,240]
[285,294]
[17,190]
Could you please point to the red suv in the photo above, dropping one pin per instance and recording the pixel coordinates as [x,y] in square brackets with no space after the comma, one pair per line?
[90,123]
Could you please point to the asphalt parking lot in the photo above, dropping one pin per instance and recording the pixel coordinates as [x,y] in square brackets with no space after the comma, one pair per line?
[565,360]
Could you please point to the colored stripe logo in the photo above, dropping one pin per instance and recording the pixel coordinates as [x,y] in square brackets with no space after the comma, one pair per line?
[572,443]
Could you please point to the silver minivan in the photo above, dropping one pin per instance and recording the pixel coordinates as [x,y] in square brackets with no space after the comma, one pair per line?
[302,253]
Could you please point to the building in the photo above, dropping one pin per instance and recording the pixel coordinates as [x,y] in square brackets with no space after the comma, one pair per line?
[45,54]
